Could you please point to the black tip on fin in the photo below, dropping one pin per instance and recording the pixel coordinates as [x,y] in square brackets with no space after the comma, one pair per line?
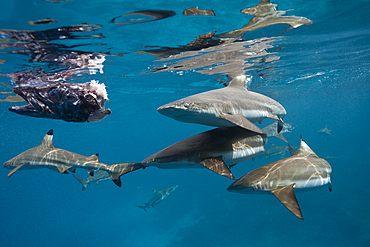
[91,173]
[117,182]
[50,132]
[280,126]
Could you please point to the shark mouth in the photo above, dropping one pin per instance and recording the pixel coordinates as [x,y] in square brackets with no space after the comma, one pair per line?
[72,102]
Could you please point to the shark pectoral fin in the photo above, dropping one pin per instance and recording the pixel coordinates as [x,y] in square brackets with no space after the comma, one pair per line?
[281,137]
[73,169]
[217,165]
[286,196]
[292,152]
[14,170]
[63,169]
[142,207]
[241,121]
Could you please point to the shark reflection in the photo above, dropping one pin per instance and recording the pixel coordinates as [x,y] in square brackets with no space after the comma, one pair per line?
[265,14]
[158,197]
[142,16]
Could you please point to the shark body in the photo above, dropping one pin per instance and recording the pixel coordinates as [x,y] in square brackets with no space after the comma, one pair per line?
[226,107]
[158,196]
[303,170]
[46,155]
[215,149]
[325,131]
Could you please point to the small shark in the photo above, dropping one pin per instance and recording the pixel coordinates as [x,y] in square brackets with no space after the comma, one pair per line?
[276,150]
[303,170]
[46,155]
[116,171]
[265,14]
[158,197]
[325,131]
[270,130]
[214,149]
[226,107]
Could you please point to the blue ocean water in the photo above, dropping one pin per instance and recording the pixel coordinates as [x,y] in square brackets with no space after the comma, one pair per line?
[319,73]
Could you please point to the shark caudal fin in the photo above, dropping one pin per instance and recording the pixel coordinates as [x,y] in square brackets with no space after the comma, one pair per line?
[142,207]
[81,180]
[117,170]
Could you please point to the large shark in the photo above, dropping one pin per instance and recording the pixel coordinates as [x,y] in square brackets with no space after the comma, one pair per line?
[46,155]
[214,149]
[158,196]
[271,130]
[115,171]
[302,170]
[265,14]
[226,107]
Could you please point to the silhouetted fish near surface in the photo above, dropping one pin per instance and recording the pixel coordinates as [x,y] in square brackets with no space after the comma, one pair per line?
[196,11]
[303,170]
[158,197]
[226,107]
[46,155]
[265,14]
[215,149]
[71,102]
[156,14]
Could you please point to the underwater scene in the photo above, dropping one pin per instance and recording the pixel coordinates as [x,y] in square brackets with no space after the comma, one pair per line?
[184,123]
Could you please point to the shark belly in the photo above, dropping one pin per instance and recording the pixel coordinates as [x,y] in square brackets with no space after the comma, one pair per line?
[241,152]
[175,165]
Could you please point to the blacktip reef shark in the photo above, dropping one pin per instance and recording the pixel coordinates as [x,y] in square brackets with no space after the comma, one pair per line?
[158,197]
[271,130]
[226,107]
[46,155]
[303,170]
[115,171]
[325,131]
[214,149]
[265,14]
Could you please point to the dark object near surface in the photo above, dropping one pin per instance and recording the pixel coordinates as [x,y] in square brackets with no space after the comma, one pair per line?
[72,102]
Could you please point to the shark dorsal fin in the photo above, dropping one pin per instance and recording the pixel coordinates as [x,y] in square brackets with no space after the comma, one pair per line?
[48,140]
[286,196]
[94,157]
[304,150]
[217,165]
[238,82]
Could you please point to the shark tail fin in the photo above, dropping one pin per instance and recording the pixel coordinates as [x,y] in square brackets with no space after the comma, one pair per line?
[81,180]
[142,207]
[117,170]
